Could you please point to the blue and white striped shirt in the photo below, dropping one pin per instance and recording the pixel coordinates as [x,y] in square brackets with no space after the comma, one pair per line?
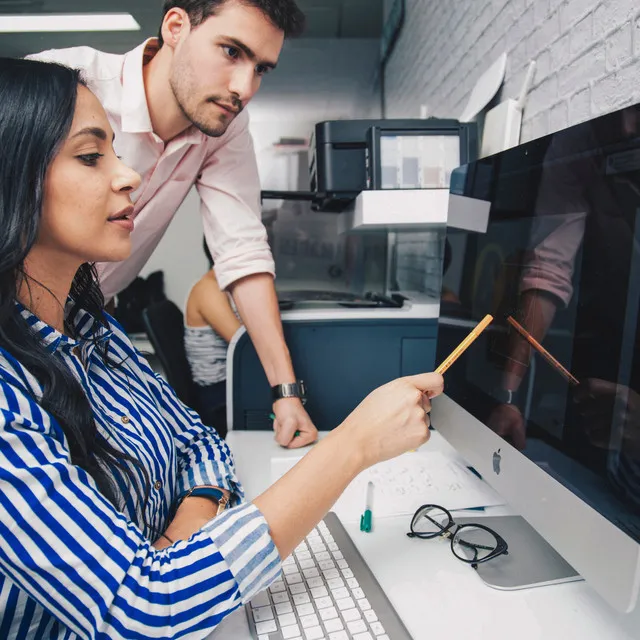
[73,566]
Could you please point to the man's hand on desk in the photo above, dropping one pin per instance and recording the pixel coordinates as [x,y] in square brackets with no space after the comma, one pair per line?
[291,419]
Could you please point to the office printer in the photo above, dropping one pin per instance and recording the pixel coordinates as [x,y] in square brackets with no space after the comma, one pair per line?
[349,156]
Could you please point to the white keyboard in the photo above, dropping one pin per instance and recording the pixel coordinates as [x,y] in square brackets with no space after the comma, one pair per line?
[326,592]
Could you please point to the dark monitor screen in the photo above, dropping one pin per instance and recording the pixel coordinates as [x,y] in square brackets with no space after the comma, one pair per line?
[561,258]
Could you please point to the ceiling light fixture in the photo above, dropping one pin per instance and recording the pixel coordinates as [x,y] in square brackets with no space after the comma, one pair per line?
[20,23]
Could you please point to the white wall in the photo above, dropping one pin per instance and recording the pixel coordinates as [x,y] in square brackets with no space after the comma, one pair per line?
[587,51]
[316,80]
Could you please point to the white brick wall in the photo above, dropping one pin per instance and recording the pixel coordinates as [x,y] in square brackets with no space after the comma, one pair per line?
[587,54]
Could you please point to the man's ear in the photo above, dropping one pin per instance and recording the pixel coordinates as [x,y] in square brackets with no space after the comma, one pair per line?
[175,26]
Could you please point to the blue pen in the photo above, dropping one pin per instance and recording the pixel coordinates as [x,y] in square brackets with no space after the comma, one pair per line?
[365,518]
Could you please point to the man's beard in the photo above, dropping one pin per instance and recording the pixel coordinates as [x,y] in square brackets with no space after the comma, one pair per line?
[215,126]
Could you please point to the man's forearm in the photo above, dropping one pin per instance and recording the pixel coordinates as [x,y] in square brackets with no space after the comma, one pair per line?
[257,303]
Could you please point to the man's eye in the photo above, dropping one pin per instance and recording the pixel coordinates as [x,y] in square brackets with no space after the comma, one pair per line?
[232,52]
[261,70]
[91,159]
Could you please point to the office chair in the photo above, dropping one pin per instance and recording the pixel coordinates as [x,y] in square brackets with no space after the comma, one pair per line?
[164,324]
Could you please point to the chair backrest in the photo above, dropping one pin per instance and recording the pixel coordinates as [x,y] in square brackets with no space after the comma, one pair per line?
[164,324]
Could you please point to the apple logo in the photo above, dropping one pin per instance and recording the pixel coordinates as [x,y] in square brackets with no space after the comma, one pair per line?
[496,461]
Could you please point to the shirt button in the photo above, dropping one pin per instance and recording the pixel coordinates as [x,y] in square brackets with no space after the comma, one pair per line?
[157,485]
[125,419]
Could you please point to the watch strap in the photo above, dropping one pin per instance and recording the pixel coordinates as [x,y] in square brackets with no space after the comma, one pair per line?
[212,493]
[289,390]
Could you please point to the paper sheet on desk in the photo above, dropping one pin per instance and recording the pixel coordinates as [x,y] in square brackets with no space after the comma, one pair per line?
[403,484]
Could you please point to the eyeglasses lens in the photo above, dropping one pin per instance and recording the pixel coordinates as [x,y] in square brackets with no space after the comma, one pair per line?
[430,521]
[473,543]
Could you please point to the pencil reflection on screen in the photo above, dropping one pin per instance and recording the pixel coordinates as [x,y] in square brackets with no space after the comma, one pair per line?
[543,352]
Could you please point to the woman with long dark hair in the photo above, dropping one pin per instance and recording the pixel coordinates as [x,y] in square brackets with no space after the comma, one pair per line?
[120,512]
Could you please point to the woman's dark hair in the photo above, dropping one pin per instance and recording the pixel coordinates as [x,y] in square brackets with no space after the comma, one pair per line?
[284,14]
[37,106]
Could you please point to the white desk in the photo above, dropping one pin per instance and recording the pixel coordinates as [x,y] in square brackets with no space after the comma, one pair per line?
[436,595]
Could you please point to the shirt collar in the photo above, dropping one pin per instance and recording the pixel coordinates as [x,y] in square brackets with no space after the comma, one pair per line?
[86,326]
[134,108]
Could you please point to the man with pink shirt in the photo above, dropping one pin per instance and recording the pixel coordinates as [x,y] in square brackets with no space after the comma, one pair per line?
[176,105]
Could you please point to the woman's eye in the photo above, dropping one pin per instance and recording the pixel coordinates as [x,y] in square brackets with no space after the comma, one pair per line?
[91,159]
[232,52]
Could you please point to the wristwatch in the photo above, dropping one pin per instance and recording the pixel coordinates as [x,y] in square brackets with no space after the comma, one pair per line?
[505,396]
[290,390]
[213,493]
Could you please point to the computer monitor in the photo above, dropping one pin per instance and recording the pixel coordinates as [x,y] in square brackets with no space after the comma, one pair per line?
[556,428]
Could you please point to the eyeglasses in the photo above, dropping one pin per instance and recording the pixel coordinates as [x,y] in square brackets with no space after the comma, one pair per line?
[471,543]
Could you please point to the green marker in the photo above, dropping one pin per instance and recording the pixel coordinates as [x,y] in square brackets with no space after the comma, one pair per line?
[273,417]
[365,518]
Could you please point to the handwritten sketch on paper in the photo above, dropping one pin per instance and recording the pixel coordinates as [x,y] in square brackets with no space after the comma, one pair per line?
[403,484]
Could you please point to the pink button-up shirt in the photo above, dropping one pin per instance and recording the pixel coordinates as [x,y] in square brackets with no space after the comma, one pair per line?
[223,169]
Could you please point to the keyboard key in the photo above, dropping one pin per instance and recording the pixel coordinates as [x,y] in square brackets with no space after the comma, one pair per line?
[345,603]
[342,563]
[282,596]
[302,547]
[319,592]
[357,626]
[277,586]
[364,604]
[310,573]
[322,556]
[285,607]
[326,564]
[297,589]
[323,603]
[287,619]
[328,614]
[260,600]
[263,613]
[306,564]
[338,635]
[290,632]
[288,560]
[338,555]
[309,621]
[358,594]
[329,574]
[301,598]
[333,546]
[314,633]
[377,628]
[350,615]
[266,627]
[289,569]
[363,636]
[314,583]
[305,609]
[371,616]
[335,583]
[352,583]
[333,625]
[384,636]
[294,578]
[341,592]
[303,555]
[347,573]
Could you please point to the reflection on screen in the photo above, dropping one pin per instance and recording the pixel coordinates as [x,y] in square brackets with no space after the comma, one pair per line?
[558,372]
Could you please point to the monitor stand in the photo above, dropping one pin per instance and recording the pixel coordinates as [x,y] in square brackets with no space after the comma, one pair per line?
[531,562]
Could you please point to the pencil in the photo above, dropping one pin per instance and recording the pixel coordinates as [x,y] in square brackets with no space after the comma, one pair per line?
[462,347]
[542,351]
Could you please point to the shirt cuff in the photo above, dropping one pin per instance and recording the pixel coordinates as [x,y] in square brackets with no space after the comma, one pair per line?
[243,539]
